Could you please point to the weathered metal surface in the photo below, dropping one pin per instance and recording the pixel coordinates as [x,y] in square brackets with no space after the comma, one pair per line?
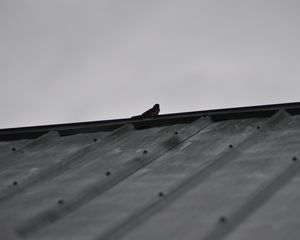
[194,207]
[40,159]
[234,179]
[13,146]
[143,189]
[122,161]
[278,216]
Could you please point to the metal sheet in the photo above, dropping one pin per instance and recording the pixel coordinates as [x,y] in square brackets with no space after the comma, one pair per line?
[9,147]
[128,158]
[204,207]
[278,217]
[38,159]
[139,192]
[235,179]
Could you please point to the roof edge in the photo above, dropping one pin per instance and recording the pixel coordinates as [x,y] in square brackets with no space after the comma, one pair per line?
[161,120]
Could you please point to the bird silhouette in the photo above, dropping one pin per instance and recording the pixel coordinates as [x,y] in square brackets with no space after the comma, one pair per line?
[152,112]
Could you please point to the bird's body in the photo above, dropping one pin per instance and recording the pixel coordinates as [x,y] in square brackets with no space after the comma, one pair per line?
[152,112]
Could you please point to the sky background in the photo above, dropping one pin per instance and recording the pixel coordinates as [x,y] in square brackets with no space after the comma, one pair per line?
[65,61]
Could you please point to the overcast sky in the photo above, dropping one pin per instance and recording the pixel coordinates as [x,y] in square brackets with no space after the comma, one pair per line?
[66,61]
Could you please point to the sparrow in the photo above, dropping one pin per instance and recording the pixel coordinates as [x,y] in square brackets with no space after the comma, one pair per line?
[152,112]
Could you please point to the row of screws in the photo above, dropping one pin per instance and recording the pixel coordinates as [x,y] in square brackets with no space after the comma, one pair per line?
[61,201]
[222,219]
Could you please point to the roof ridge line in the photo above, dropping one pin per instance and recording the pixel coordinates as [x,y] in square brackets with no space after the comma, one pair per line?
[9,134]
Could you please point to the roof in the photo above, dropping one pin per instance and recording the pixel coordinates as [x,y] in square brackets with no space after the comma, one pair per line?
[222,174]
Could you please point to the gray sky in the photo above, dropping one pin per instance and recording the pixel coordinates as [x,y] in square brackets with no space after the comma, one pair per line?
[80,60]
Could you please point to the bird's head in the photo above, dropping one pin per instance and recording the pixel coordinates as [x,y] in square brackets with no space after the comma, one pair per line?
[156,106]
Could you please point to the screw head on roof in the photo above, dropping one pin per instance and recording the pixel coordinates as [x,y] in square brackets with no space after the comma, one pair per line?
[15,183]
[60,201]
[161,194]
[14,149]
[257,127]
[175,132]
[145,151]
[294,159]
[222,219]
[230,146]
[108,173]
[95,139]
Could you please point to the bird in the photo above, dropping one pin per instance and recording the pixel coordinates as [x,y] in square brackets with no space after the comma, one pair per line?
[152,112]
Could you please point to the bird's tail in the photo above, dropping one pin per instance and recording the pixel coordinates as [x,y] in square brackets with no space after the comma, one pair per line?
[137,117]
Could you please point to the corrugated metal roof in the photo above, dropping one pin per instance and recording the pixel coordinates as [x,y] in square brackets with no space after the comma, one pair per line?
[235,178]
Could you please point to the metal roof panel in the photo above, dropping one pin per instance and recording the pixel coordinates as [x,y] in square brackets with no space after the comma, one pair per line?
[181,179]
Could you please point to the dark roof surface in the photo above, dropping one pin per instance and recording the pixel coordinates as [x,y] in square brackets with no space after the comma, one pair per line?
[227,174]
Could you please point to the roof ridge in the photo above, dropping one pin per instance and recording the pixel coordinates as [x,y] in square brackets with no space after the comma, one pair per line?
[161,120]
